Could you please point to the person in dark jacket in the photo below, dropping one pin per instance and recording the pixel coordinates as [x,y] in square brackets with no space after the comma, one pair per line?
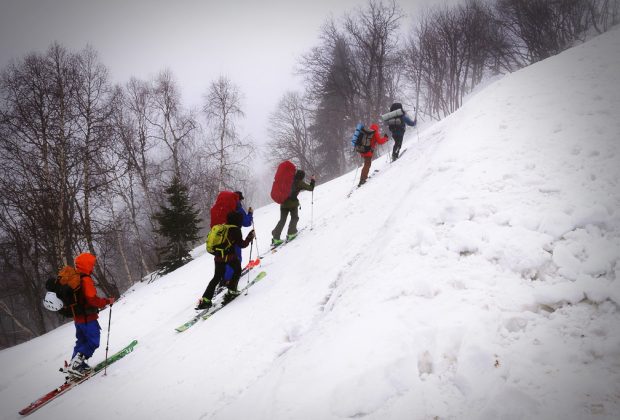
[291,205]
[247,219]
[85,315]
[236,238]
[398,129]
[367,156]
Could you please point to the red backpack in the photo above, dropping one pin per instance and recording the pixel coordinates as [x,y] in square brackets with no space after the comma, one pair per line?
[283,181]
[225,202]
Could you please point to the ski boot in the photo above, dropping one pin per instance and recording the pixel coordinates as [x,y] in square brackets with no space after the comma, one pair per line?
[77,367]
[203,303]
[290,237]
[276,242]
[230,296]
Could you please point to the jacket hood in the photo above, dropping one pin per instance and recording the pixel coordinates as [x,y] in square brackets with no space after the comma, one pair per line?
[84,263]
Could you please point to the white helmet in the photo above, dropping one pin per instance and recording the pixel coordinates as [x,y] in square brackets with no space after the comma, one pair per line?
[51,302]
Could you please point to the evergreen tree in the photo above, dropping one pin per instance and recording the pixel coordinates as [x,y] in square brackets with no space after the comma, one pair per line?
[178,223]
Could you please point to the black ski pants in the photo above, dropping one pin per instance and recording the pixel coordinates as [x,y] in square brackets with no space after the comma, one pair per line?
[218,276]
[398,143]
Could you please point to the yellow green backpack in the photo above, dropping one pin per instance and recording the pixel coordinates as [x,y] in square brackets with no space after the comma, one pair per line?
[218,242]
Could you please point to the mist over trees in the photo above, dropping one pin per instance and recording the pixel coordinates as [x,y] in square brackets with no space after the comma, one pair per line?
[85,163]
[84,166]
[366,60]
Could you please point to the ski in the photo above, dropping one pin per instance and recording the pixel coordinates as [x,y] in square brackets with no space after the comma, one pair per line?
[250,265]
[69,384]
[256,279]
[275,248]
[359,186]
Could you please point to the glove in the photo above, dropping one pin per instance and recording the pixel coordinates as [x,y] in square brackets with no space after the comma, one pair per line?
[250,211]
[250,236]
[111,301]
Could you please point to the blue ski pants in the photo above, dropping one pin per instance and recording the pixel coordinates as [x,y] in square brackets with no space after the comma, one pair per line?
[87,338]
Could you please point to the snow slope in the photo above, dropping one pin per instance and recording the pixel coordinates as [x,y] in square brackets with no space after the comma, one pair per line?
[475,278]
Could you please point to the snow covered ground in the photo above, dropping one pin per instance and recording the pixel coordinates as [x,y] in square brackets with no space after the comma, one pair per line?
[475,278]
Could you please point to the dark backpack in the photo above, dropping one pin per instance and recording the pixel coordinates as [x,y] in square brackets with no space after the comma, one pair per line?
[67,285]
[393,119]
[225,202]
[283,181]
[361,139]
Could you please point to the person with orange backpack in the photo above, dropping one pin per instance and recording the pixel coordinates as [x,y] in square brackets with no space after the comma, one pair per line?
[85,315]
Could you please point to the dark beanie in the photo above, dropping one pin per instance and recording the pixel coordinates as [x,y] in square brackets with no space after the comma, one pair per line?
[234,218]
[240,194]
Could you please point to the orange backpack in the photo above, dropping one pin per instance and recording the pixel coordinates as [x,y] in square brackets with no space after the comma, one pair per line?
[66,285]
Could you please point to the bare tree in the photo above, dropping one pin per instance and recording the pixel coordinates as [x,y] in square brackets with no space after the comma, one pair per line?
[352,76]
[174,124]
[450,52]
[331,91]
[289,131]
[373,33]
[95,97]
[547,27]
[603,14]
[222,108]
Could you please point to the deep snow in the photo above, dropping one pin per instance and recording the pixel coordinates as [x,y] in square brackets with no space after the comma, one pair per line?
[477,277]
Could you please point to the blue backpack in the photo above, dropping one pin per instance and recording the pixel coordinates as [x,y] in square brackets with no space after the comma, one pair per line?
[361,139]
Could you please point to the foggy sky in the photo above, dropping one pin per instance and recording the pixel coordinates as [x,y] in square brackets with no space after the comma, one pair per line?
[254,43]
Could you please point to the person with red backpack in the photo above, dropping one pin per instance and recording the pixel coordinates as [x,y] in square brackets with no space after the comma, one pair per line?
[85,315]
[225,203]
[367,156]
[247,217]
[228,256]
[291,205]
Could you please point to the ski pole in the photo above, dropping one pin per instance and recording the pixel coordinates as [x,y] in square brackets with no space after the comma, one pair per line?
[107,344]
[251,245]
[256,239]
[354,178]
[312,212]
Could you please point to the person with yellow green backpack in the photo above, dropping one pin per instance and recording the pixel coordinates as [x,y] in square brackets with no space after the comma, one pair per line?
[224,254]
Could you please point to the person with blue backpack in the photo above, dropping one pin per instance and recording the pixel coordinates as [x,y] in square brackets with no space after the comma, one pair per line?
[398,126]
[373,138]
